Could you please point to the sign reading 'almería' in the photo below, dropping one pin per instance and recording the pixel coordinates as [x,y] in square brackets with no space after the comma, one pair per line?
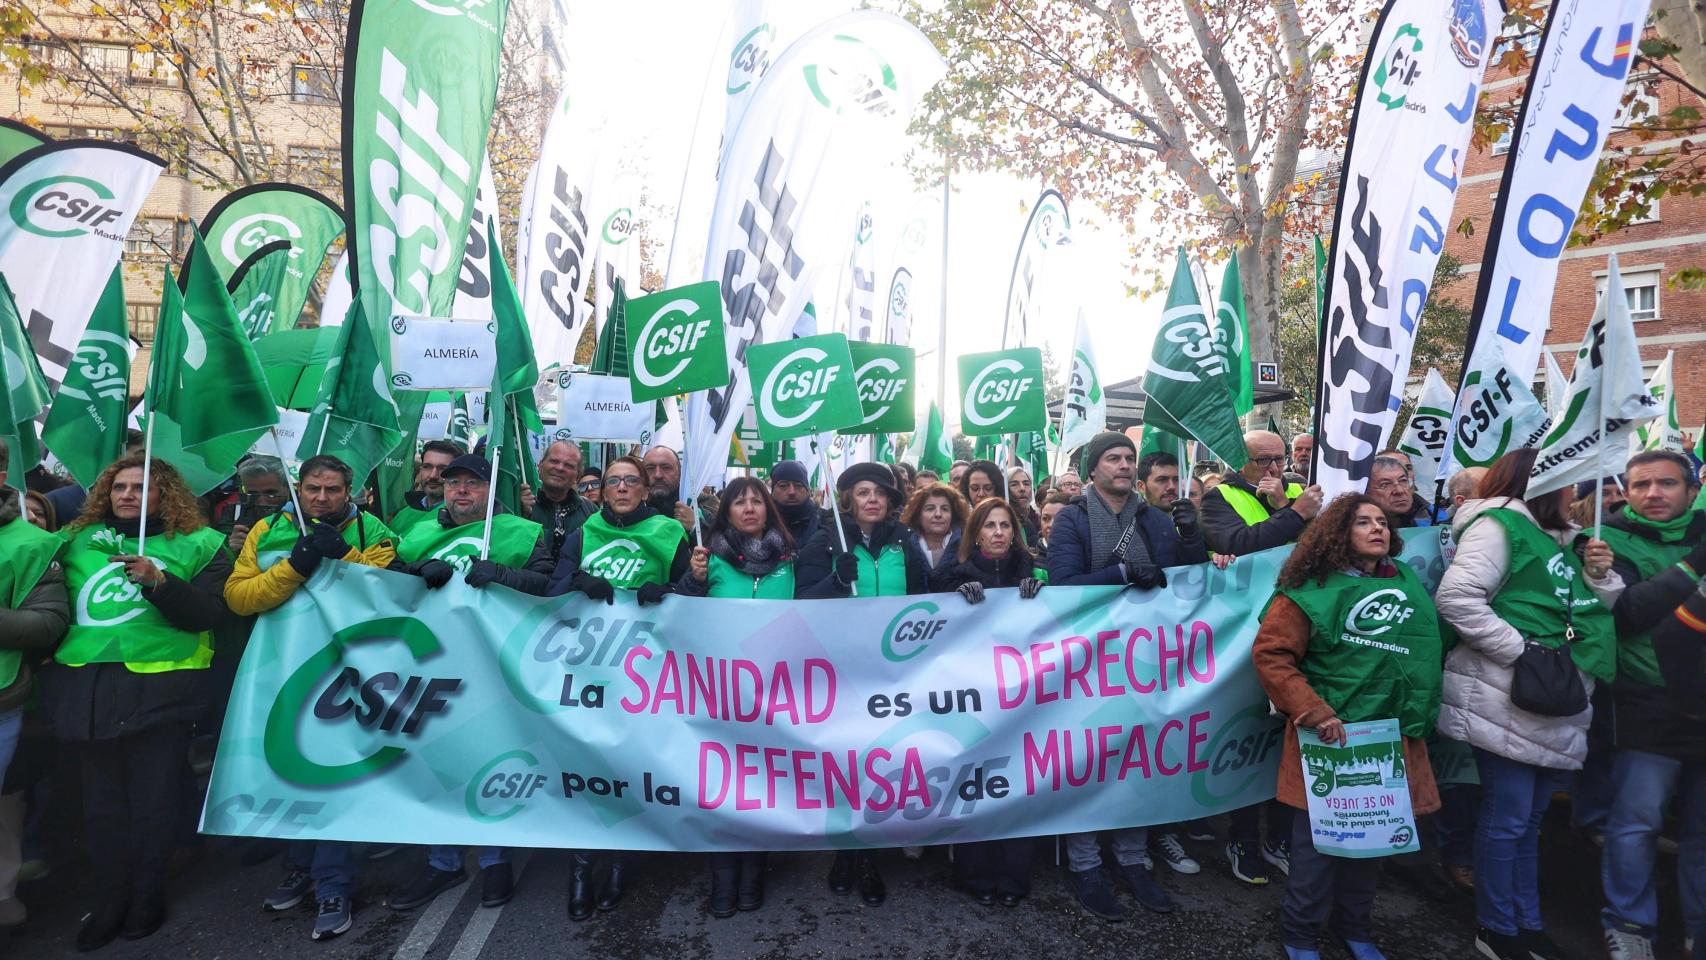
[595,407]
[803,386]
[428,353]
[675,341]
[884,374]
[1002,392]
[748,724]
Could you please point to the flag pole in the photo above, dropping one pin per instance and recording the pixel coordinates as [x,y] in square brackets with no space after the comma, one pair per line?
[147,472]
[686,497]
[835,508]
[301,518]
[495,448]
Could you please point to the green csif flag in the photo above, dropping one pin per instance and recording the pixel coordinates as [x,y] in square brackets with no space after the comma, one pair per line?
[511,405]
[206,390]
[256,216]
[1232,338]
[354,417]
[86,427]
[930,448]
[802,386]
[25,387]
[1183,362]
[257,286]
[1320,283]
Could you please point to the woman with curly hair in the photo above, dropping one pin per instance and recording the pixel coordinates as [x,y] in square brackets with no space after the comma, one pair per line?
[936,515]
[1327,656]
[123,688]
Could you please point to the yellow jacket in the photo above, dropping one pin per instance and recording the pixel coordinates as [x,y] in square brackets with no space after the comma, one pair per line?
[251,590]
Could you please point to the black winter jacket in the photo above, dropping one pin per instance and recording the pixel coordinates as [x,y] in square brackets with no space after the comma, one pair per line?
[820,558]
[993,574]
[1226,532]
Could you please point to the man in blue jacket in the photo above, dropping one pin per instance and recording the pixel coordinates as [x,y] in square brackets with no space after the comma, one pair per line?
[1111,535]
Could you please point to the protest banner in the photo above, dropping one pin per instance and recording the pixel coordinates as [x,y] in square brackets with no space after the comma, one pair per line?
[804,386]
[884,374]
[1002,392]
[1359,793]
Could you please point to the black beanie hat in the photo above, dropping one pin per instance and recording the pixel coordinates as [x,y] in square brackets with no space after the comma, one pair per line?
[1100,444]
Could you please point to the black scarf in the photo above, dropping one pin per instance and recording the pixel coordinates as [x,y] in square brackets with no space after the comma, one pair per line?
[753,556]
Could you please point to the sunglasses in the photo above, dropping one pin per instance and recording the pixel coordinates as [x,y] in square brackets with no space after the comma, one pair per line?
[589,486]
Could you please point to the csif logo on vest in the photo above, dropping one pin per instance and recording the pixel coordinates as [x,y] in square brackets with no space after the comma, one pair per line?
[1379,612]
[879,382]
[255,231]
[460,561]
[618,561]
[994,393]
[108,598]
[797,387]
[672,334]
[332,692]
[62,207]
[911,631]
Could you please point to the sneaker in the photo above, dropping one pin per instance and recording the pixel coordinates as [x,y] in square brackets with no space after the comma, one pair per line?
[428,884]
[1246,865]
[1539,945]
[497,885]
[289,892]
[1142,885]
[1094,895]
[332,918]
[1499,946]
[1278,853]
[1200,830]
[1172,853]
[1626,943]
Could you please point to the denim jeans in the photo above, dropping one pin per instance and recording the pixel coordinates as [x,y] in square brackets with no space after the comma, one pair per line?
[331,863]
[1644,784]
[1514,796]
[11,818]
[1592,793]
[1131,849]
[449,859]
[11,726]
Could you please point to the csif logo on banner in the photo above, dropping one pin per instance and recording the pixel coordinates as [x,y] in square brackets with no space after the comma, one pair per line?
[804,386]
[911,631]
[797,387]
[250,233]
[66,206]
[751,57]
[880,382]
[853,75]
[675,341]
[619,226]
[478,11]
[103,360]
[883,375]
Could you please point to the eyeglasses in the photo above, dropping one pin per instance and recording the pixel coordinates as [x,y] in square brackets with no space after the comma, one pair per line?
[1265,462]
[624,481]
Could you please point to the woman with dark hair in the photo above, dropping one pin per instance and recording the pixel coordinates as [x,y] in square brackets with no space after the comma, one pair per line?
[1516,583]
[991,557]
[936,516]
[590,486]
[125,682]
[1317,673]
[980,480]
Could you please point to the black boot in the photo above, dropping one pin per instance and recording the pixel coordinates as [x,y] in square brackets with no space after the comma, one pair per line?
[102,925]
[751,881]
[841,873]
[147,914]
[580,887]
[725,878]
[611,890]
[871,889]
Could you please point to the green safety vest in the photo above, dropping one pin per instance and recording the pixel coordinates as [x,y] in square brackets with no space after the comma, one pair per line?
[111,622]
[407,518]
[1542,578]
[1636,659]
[1248,506]
[281,535]
[1374,648]
[26,552]
[513,539]
[725,580]
[633,555]
[883,575]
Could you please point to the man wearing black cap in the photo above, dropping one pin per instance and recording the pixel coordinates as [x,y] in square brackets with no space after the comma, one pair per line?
[792,488]
[435,551]
[1111,535]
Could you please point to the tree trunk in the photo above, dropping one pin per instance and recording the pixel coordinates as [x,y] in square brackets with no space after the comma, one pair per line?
[1259,267]
[1683,23]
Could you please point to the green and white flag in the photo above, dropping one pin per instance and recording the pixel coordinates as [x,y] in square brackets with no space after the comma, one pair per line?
[257,286]
[1232,338]
[16,137]
[205,386]
[26,388]
[1425,438]
[803,386]
[1664,433]
[1085,412]
[1182,364]
[424,85]
[1608,396]
[930,448]
[355,416]
[511,404]
[885,376]
[675,341]
[1556,385]
[85,428]
[1002,392]
[247,219]
[1032,451]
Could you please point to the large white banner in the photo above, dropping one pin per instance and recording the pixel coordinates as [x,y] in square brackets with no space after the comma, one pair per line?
[1573,96]
[1415,104]
[618,245]
[474,286]
[556,254]
[67,207]
[832,107]
[1048,229]
[1085,410]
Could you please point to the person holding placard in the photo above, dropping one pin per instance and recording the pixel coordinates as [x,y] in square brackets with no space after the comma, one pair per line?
[1349,636]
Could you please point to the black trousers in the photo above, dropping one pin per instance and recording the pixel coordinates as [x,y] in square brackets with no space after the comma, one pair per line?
[132,787]
[1322,888]
[995,866]
[1245,824]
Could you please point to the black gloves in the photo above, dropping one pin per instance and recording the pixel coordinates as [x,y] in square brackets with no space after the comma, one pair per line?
[1144,576]
[595,588]
[483,572]
[436,573]
[1696,559]
[972,591]
[327,541]
[304,559]
[1029,587]
[650,593]
[846,569]
[1185,518]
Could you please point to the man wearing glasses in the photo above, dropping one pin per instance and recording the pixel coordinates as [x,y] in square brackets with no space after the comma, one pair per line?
[1390,484]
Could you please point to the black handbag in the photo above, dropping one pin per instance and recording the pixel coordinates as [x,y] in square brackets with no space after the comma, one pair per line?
[1545,680]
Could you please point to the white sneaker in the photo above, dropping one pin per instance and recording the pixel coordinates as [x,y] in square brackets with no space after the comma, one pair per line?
[1170,851]
[1623,944]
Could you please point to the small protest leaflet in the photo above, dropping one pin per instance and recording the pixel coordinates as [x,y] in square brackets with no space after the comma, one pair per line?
[1359,794]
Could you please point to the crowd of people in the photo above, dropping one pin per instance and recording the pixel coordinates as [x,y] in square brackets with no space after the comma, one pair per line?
[1563,661]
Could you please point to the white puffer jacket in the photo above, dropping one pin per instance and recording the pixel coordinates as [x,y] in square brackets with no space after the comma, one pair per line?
[1477,707]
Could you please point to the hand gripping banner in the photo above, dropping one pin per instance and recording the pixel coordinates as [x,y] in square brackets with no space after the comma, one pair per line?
[369,708]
